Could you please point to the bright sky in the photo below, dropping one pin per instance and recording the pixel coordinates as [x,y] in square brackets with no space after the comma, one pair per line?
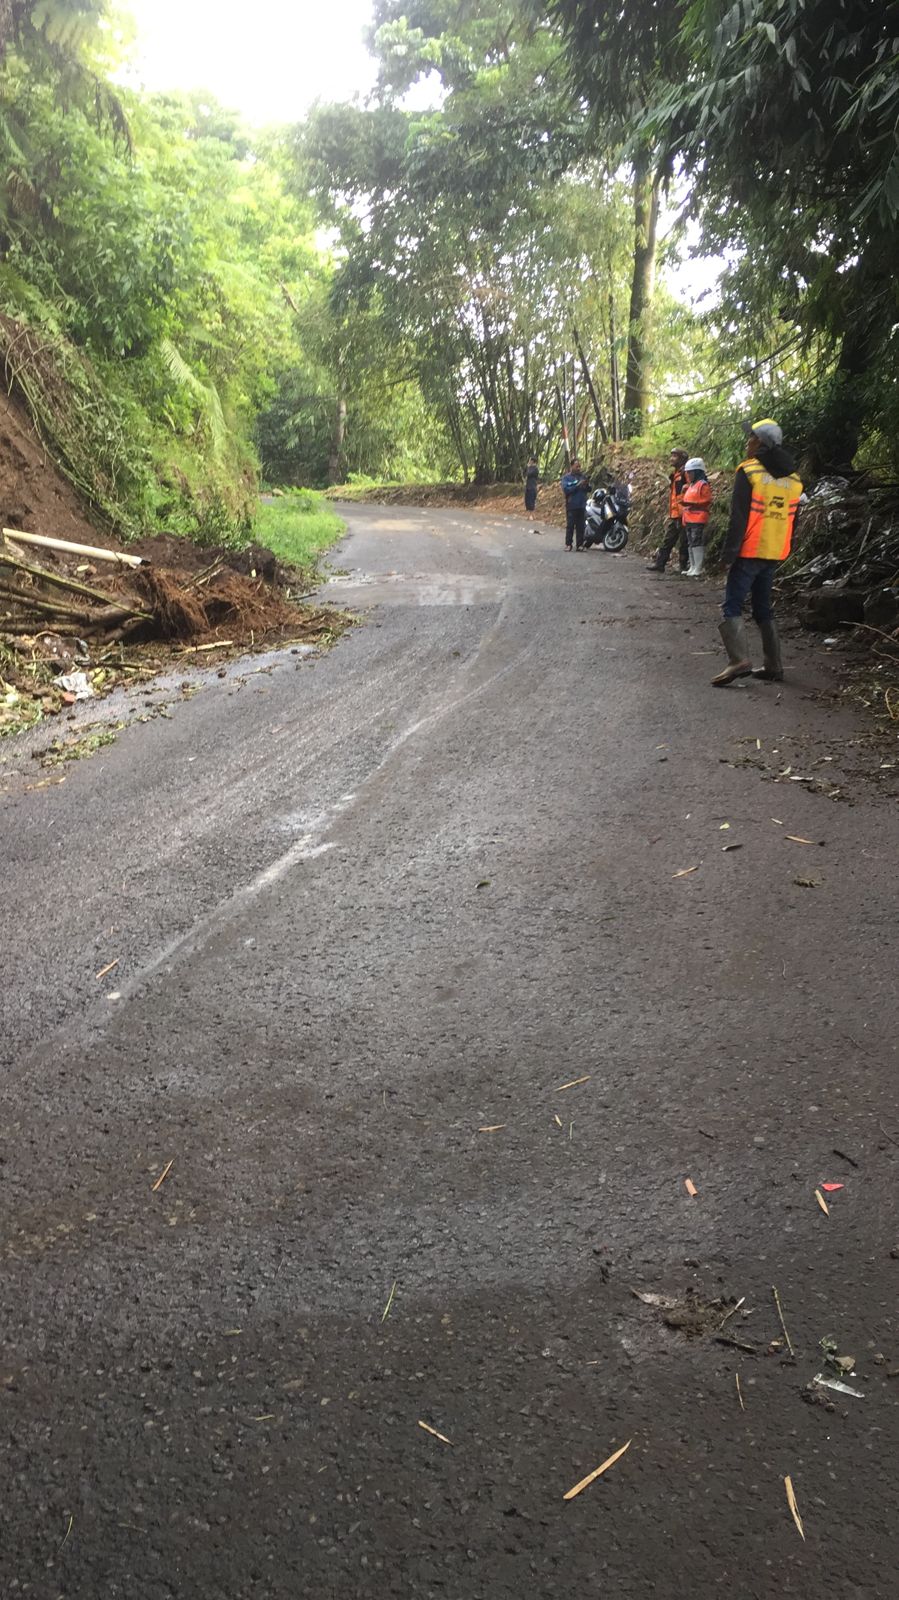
[268,60]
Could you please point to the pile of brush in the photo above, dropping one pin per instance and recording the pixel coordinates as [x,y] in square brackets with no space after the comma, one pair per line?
[42,586]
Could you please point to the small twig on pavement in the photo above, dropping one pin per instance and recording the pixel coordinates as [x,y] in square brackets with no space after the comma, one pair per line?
[781,1317]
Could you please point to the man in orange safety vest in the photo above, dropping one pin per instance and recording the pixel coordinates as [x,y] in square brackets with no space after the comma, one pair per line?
[763,513]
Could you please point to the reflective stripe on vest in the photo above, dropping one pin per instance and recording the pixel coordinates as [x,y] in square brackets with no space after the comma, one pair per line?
[697,500]
[772,512]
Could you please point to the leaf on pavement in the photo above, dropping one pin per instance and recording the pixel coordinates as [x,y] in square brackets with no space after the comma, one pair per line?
[797,839]
[808,883]
[664,1302]
[494,1127]
[597,1472]
[822,1202]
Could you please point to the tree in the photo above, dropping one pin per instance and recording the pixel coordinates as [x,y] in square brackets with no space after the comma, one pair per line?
[619,52]
[815,191]
[475,231]
[782,114]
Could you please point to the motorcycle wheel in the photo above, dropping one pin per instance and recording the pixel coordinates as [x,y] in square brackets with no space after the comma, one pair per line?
[616,538]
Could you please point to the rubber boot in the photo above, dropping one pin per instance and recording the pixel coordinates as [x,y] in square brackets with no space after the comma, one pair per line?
[773,670]
[733,632]
[698,554]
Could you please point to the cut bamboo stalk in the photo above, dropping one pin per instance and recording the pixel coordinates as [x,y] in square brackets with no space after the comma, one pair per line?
[67,548]
[44,576]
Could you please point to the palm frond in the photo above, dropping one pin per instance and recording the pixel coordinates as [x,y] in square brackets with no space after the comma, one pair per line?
[206,395]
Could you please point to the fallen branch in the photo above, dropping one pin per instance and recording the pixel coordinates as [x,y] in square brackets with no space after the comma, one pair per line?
[54,578]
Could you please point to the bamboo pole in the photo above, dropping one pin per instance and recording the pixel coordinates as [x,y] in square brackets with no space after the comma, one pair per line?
[590,385]
[67,548]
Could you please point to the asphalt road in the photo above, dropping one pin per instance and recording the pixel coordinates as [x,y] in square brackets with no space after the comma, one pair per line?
[372,913]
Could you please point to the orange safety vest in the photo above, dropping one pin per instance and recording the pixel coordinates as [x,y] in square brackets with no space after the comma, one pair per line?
[697,503]
[772,512]
[677,483]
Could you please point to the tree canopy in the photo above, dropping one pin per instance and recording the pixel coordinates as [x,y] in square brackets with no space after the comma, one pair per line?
[381,289]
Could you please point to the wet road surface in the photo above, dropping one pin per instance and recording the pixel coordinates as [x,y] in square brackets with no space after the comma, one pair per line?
[372,913]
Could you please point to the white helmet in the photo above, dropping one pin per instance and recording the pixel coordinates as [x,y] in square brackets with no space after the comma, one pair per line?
[695,464]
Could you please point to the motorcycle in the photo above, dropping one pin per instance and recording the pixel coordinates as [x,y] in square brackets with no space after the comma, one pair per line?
[607,513]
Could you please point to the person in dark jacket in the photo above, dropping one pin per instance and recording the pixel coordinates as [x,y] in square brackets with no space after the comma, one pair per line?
[575,487]
[531,479]
[677,483]
[763,512]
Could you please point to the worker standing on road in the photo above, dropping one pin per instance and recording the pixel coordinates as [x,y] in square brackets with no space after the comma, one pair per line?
[531,479]
[697,503]
[677,483]
[763,515]
[575,487]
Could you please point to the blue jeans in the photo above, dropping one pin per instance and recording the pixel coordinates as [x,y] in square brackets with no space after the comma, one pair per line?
[750,575]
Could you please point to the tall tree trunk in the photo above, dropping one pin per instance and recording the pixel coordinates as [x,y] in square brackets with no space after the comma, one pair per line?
[338,434]
[647,186]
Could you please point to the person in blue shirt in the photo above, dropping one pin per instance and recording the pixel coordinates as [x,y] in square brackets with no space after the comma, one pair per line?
[575,487]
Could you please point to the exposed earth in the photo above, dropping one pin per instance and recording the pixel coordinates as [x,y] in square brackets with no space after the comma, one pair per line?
[396,1050]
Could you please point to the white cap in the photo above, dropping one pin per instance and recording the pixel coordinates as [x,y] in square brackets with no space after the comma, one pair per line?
[695,464]
[767,431]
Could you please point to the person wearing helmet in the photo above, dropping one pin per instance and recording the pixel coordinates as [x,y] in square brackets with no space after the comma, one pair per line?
[697,502]
[763,513]
[677,483]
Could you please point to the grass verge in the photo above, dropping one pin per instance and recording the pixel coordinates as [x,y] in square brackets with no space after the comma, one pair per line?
[298,527]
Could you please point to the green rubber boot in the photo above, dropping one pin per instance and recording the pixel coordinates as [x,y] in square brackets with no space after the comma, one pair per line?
[773,670]
[733,632]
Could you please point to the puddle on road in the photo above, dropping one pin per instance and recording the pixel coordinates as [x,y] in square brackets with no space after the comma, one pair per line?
[413,589]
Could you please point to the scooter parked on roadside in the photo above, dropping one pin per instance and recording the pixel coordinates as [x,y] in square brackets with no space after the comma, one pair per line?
[607,513]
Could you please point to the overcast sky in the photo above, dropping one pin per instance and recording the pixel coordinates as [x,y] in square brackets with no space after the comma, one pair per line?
[269,59]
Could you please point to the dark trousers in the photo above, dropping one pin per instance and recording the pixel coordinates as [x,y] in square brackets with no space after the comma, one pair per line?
[575,524]
[676,535]
[530,496]
[750,575]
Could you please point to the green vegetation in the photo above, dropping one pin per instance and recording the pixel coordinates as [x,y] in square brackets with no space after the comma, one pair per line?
[178,327]
[298,528]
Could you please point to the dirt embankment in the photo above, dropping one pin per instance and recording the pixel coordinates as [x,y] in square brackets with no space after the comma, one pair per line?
[33,495]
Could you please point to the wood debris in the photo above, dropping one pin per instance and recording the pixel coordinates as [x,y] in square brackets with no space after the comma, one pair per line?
[794,1509]
[780,1314]
[574,1083]
[163,1174]
[739,1392]
[433,1431]
[108,968]
[597,1472]
[492,1127]
[685,872]
[386,1312]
